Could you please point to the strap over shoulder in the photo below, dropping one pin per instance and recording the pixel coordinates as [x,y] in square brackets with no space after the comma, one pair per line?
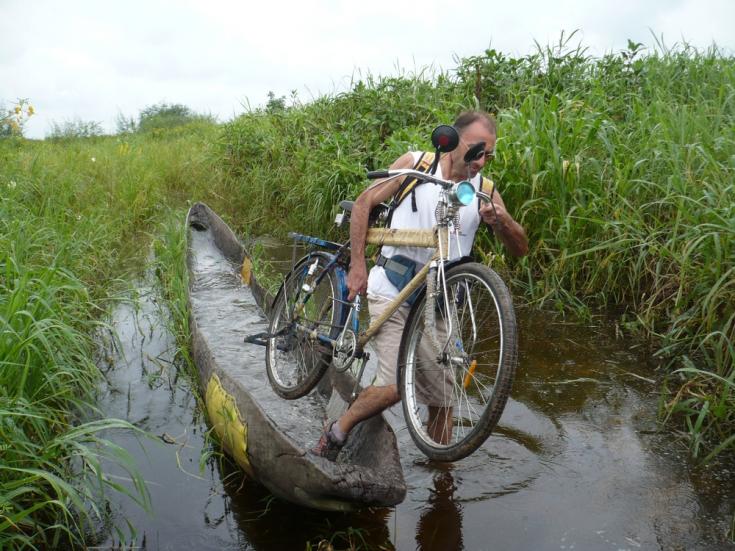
[486,185]
[409,184]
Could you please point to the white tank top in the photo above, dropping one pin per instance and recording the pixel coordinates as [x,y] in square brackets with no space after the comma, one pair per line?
[427,197]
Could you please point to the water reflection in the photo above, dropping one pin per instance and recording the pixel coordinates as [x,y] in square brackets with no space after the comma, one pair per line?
[268,523]
[440,526]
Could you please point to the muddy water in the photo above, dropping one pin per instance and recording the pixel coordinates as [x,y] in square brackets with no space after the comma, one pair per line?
[578,461]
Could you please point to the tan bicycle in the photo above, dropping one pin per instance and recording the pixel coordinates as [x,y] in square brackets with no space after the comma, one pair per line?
[458,351]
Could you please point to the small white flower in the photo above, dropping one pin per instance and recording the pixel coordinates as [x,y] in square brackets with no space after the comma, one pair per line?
[12,184]
[93,160]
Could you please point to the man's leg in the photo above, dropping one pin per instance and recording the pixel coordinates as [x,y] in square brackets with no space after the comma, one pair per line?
[439,426]
[383,393]
[434,387]
[371,401]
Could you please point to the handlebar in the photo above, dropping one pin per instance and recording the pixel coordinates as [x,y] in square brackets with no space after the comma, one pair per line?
[484,197]
[446,184]
[375,174]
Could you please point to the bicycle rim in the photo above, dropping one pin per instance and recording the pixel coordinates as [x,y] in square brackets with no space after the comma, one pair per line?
[451,406]
[296,358]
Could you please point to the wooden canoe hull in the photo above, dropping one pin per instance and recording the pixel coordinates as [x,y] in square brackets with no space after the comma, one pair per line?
[243,413]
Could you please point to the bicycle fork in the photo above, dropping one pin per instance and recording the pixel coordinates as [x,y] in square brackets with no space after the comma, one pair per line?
[450,348]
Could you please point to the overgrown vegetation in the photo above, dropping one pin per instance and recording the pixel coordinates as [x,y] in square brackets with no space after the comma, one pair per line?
[169,247]
[75,217]
[75,128]
[620,168]
[164,116]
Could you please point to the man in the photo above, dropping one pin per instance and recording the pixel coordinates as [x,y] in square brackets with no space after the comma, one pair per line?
[473,127]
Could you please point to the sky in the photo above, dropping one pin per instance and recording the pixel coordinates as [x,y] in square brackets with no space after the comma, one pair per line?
[93,60]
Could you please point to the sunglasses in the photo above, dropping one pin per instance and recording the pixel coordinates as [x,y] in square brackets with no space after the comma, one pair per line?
[477,151]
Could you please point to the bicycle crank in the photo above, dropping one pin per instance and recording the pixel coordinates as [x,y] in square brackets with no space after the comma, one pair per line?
[344,351]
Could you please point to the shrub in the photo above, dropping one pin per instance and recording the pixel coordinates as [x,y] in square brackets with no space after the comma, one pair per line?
[76,128]
[164,116]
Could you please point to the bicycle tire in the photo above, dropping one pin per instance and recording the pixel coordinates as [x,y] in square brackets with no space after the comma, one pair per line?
[477,383]
[295,360]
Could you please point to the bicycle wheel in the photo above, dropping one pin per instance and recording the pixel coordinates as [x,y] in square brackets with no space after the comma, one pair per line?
[295,356]
[452,400]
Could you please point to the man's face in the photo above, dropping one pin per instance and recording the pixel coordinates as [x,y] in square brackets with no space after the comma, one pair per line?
[475,133]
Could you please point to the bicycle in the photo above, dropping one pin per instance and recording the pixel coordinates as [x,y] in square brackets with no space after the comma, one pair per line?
[459,345]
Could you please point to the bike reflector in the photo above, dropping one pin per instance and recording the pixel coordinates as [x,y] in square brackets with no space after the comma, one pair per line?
[463,193]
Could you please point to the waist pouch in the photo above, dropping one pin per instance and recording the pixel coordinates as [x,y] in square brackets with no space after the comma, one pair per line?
[400,270]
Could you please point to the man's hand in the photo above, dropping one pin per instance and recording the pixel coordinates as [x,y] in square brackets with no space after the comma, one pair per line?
[357,278]
[510,232]
[495,218]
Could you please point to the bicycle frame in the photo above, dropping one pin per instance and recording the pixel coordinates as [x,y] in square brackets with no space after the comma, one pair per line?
[382,236]
[411,238]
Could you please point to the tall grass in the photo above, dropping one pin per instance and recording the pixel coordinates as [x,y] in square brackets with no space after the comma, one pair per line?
[50,466]
[75,218]
[630,206]
[290,167]
[620,168]
[170,246]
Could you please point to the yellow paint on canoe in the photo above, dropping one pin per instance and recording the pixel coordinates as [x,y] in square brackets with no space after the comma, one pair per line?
[246,272]
[225,417]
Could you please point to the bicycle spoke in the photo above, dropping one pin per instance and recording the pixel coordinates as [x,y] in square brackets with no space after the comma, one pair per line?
[466,380]
[304,309]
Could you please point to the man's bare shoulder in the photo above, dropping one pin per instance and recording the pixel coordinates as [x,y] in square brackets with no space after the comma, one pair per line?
[404,161]
[382,190]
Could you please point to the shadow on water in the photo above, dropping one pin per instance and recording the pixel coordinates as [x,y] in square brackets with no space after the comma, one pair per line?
[578,461]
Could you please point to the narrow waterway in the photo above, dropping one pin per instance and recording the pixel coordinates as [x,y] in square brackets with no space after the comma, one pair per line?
[578,461]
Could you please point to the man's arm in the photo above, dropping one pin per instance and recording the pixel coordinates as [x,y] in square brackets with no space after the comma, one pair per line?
[510,232]
[380,191]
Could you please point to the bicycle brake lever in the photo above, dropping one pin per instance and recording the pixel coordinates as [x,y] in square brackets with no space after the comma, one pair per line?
[484,196]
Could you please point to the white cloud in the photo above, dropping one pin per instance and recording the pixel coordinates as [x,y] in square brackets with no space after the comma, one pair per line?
[93,59]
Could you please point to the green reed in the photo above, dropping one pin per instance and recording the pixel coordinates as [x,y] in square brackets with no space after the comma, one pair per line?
[51,474]
[172,273]
[619,167]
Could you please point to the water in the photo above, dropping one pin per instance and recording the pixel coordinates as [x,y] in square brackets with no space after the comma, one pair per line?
[578,461]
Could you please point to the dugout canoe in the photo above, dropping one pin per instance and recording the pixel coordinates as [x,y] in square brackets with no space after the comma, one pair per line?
[265,434]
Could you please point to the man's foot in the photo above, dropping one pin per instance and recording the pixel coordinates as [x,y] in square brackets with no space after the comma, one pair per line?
[329,445]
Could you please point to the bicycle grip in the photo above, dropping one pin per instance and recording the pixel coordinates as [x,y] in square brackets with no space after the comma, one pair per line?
[375,174]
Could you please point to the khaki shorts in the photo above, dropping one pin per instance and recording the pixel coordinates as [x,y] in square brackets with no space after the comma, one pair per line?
[433,383]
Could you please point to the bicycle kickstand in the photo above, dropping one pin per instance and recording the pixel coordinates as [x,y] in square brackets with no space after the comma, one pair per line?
[363,361]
